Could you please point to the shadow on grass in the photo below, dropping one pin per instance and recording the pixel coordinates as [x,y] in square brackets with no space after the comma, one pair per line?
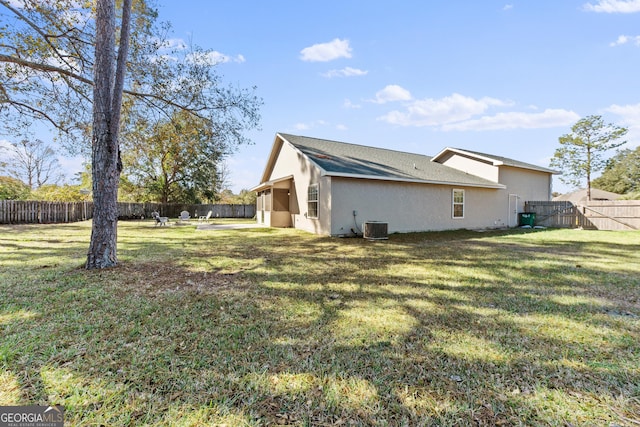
[278,327]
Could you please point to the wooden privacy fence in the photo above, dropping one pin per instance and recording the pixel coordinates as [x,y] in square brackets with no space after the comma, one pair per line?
[38,212]
[596,215]
[612,214]
[33,212]
[172,210]
[553,214]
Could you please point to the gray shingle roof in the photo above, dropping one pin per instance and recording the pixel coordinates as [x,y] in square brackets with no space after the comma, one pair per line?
[580,196]
[359,161]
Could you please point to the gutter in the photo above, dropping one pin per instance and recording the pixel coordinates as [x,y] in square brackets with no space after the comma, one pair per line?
[413,180]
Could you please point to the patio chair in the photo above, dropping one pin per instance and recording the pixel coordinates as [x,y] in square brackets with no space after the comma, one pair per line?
[184,216]
[205,218]
[160,220]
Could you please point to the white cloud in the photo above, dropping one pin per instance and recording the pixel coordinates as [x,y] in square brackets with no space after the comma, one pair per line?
[620,40]
[463,113]
[309,125]
[392,93]
[628,112]
[345,72]
[549,118]
[342,127]
[71,165]
[5,145]
[172,44]
[438,112]
[323,52]
[614,6]
[167,58]
[348,104]
[507,7]
[629,118]
[68,64]
[213,57]
[169,50]
[626,39]
[301,126]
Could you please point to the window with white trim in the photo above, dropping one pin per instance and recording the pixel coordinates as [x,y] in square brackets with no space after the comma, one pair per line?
[457,208]
[312,201]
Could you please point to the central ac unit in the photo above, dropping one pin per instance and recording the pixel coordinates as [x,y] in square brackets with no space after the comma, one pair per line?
[375,230]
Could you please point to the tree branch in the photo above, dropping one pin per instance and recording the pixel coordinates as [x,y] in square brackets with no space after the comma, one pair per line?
[43,67]
[121,66]
[53,69]
[37,30]
[35,111]
[4,94]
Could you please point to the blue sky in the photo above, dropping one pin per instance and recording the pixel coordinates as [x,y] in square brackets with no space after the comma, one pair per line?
[505,78]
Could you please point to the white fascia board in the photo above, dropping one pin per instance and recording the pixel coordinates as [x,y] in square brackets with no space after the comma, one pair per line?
[494,162]
[536,169]
[269,184]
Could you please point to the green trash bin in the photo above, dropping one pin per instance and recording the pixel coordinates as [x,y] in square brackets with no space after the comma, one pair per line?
[527,218]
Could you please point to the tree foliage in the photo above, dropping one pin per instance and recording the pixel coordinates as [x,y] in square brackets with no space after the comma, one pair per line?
[622,173]
[47,59]
[582,152]
[13,189]
[61,193]
[174,160]
[49,52]
[46,75]
[79,192]
[245,197]
[175,153]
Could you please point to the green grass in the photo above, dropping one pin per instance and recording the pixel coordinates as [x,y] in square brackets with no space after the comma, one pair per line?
[280,327]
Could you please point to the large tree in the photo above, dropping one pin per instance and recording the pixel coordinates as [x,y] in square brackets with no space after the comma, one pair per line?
[109,75]
[32,161]
[176,153]
[622,173]
[174,160]
[48,54]
[582,152]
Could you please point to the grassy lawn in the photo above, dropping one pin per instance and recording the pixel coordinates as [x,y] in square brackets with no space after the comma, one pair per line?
[266,327]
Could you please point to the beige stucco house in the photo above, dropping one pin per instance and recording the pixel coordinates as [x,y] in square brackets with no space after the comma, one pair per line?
[332,188]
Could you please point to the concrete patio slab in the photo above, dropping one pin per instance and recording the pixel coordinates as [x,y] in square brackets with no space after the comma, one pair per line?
[228,226]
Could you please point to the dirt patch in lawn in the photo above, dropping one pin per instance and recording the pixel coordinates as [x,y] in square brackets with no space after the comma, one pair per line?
[155,279]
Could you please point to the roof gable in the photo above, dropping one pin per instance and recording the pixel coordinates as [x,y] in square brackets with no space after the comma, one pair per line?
[490,159]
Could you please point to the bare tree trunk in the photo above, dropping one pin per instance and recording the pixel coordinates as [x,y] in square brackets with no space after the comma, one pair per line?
[105,158]
[588,174]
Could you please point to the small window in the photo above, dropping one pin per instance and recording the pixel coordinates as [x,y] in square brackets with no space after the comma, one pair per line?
[458,203]
[312,201]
